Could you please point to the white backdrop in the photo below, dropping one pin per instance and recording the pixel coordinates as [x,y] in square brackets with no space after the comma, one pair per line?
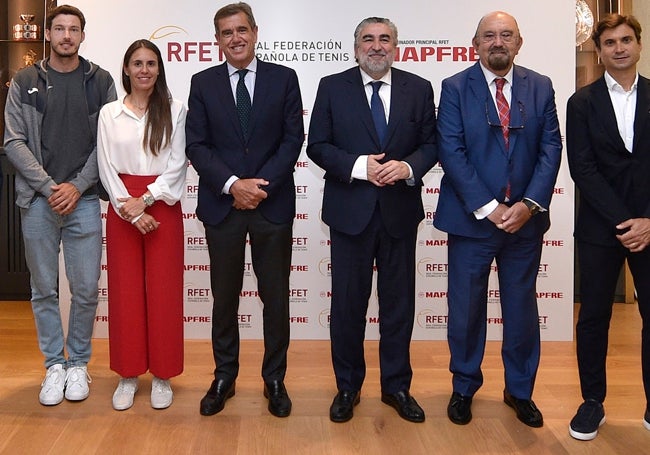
[316,39]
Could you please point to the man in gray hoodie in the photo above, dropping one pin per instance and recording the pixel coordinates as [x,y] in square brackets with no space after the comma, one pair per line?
[50,138]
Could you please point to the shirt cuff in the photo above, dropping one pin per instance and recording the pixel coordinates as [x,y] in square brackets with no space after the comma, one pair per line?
[410,181]
[484,212]
[229,182]
[134,220]
[360,168]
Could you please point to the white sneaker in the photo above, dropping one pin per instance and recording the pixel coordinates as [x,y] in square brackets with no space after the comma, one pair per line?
[161,393]
[123,396]
[52,386]
[76,383]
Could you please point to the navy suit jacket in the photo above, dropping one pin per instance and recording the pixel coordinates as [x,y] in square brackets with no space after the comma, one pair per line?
[473,156]
[218,149]
[341,129]
[614,184]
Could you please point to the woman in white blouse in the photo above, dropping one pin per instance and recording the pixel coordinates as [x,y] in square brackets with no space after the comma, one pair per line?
[142,165]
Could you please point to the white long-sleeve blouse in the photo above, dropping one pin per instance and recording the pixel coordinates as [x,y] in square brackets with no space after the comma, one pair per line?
[120,151]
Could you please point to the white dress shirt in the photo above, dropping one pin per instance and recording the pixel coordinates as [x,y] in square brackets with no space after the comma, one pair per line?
[120,151]
[490,78]
[624,104]
[249,81]
[360,168]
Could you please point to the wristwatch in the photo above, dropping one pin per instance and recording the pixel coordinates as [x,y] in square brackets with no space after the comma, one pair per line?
[148,199]
[533,208]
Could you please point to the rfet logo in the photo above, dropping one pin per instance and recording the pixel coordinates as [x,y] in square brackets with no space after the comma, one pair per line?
[248,268]
[195,241]
[298,295]
[191,191]
[429,268]
[324,318]
[429,215]
[301,192]
[325,266]
[197,294]
[245,321]
[429,319]
[543,271]
[299,243]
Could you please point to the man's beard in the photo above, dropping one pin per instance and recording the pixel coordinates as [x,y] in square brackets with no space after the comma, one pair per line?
[376,67]
[499,61]
[59,50]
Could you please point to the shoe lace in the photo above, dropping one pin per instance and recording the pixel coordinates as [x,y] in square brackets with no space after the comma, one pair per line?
[74,375]
[52,377]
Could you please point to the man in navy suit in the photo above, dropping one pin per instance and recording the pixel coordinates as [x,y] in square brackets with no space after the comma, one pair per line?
[372,130]
[244,134]
[500,170]
[608,146]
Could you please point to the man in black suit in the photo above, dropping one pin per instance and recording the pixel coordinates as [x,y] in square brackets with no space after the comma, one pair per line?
[244,134]
[373,131]
[608,146]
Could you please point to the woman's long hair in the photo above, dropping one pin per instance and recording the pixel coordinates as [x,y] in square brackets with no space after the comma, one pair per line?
[158,130]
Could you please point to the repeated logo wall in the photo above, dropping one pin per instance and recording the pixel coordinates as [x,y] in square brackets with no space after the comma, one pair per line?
[316,39]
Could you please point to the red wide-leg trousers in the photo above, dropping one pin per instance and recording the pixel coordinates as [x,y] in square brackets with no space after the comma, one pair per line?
[145,290]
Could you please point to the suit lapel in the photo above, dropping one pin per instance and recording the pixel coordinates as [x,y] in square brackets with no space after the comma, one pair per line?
[517,106]
[260,94]
[357,97]
[479,88]
[604,112]
[224,92]
[398,92]
[642,115]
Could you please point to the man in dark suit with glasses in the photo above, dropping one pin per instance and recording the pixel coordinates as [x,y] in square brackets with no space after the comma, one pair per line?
[494,201]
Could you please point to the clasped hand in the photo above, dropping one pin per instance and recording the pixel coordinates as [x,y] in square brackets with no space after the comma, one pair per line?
[247,193]
[382,174]
[64,198]
[510,219]
[134,207]
[637,237]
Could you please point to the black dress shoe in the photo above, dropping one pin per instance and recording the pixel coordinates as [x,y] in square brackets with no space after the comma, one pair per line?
[279,401]
[459,409]
[344,402]
[215,399]
[526,410]
[405,404]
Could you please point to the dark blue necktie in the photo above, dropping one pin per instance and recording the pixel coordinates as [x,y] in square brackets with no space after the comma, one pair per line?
[243,102]
[377,109]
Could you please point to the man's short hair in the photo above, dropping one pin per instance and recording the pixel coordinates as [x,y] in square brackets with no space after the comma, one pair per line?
[231,10]
[612,21]
[64,9]
[375,20]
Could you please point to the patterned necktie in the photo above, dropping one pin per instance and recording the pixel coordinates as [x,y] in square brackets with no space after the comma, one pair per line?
[504,110]
[243,102]
[504,119]
[378,113]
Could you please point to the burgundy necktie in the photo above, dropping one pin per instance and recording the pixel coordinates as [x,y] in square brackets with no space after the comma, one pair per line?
[504,119]
[504,110]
